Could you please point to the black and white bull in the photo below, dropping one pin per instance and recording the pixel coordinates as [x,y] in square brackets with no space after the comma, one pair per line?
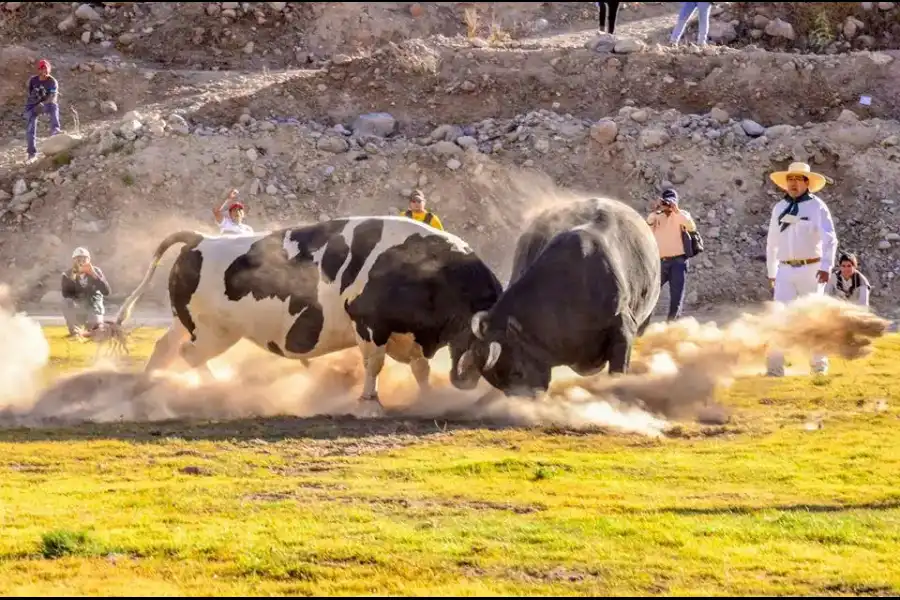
[389,285]
[585,281]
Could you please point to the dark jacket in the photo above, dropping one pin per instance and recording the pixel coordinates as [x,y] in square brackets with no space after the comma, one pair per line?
[84,289]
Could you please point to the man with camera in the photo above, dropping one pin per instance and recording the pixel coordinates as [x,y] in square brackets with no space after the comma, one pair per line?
[668,222]
[83,288]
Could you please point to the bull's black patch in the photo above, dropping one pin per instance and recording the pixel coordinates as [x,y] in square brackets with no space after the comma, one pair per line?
[267,271]
[424,287]
[336,253]
[184,278]
[366,236]
[274,349]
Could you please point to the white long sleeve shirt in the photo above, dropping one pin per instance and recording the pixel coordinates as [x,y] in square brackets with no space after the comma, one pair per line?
[810,235]
[227,226]
[859,295]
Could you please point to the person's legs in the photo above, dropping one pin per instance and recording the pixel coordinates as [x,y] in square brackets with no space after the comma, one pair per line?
[53,111]
[613,11]
[807,283]
[687,9]
[31,131]
[663,272]
[677,277]
[784,292]
[74,314]
[602,7]
[703,9]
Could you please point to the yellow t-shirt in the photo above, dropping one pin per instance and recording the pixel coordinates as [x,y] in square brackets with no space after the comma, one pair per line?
[423,217]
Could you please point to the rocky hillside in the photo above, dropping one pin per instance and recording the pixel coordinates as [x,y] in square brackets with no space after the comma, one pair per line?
[488,121]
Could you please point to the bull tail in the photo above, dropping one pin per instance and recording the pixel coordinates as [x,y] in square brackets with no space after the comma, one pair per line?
[181,237]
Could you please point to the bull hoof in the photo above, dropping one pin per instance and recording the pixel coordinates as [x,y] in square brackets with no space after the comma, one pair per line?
[369,408]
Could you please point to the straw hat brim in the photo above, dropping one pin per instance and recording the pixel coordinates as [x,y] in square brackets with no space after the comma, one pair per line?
[817,181]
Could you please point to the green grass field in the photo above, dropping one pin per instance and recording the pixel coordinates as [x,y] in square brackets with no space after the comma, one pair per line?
[762,505]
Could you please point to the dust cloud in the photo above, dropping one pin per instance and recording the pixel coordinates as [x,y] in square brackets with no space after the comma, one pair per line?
[684,363]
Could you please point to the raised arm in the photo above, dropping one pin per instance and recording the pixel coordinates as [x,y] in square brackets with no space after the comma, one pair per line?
[100,281]
[218,213]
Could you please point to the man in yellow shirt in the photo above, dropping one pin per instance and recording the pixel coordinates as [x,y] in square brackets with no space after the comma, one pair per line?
[417,211]
[667,222]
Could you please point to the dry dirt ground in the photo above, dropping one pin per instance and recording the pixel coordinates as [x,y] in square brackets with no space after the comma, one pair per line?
[489,115]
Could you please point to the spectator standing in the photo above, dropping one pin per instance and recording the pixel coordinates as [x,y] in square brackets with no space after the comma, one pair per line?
[417,211]
[43,97]
[667,222]
[800,246]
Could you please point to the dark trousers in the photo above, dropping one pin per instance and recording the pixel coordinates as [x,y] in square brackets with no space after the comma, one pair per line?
[613,8]
[674,272]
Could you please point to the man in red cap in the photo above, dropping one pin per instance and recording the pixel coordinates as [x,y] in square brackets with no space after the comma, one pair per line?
[233,221]
[43,92]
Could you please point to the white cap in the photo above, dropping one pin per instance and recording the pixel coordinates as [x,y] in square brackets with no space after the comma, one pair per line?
[81,252]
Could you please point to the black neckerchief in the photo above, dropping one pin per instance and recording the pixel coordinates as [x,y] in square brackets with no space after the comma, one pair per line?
[793,207]
[854,283]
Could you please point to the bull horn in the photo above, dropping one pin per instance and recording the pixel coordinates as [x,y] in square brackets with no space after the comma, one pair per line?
[464,363]
[493,355]
[477,320]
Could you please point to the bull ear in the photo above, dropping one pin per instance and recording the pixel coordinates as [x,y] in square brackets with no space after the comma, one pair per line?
[513,327]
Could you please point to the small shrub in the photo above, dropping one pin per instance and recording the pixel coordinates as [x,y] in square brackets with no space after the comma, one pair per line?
[62,542]
[471,19]
[128,179]
[63,158]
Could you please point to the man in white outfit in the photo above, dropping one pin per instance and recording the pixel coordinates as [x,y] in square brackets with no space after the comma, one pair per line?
[800,247]
[232,222]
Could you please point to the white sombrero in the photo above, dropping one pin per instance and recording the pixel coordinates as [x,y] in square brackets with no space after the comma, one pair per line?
[816,180]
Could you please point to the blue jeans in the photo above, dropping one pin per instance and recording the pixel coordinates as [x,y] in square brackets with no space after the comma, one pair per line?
[687,9]
[32,116]
[674,272]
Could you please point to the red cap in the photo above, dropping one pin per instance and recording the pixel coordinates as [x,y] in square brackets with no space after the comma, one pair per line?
[43,63]
[234,206]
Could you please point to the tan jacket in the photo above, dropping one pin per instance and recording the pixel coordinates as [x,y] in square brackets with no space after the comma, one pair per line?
[667,230]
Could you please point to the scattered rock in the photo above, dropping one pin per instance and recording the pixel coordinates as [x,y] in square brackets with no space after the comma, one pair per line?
[604,131]
[722,33]
[86,13]
[59,143]
[752,128]
[108,107]
[331,143]
[377,124]
[19,187]
[719,115]
[640,116]
[847,116]
[653,138]
[781,29]
[628,46]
